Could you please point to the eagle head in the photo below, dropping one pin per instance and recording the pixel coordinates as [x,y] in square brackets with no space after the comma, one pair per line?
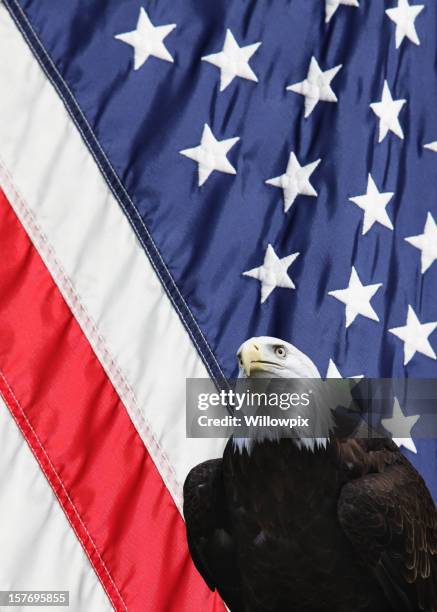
[267,357]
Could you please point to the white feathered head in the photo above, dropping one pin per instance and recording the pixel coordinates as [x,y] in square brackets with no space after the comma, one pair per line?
[267,357]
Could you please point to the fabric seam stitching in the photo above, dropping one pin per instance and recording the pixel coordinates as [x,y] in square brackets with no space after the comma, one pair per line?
[104,576]
[115,374]
[56,79]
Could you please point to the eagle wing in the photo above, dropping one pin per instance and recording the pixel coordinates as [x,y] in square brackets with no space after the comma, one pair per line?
[209,536]
[390,518]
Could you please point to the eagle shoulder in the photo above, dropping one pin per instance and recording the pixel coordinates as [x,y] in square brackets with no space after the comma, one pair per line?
[209,535]
[388,514]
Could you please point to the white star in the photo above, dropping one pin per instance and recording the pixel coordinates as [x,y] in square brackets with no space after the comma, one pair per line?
[374,203]
[233,61]
[273,272]
[339,394]
[334,372]
[357,298]
[316,87]
[426,242]
[147,40]
[332,6]
[400,426]
[388,112]
[211,154]
[415,336]
[432,146]
[404,17]
[295,181]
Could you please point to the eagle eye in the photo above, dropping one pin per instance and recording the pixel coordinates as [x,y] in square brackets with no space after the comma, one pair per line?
[280,352]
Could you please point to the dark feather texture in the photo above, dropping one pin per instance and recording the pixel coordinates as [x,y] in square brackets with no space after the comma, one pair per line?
[349,528]
[211,544]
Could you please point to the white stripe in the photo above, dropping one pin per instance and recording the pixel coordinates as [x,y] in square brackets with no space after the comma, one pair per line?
[110,285]
[39,550]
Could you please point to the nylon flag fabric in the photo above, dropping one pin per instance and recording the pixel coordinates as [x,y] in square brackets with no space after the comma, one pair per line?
[177,177]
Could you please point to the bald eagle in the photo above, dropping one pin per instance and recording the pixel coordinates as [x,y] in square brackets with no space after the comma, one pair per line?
[347,525]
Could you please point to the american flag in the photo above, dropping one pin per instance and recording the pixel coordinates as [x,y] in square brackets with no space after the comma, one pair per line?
[176,177]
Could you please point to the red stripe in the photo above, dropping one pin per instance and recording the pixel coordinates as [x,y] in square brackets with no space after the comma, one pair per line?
[84,440]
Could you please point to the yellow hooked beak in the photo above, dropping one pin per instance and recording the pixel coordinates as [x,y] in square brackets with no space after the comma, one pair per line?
[251,357]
